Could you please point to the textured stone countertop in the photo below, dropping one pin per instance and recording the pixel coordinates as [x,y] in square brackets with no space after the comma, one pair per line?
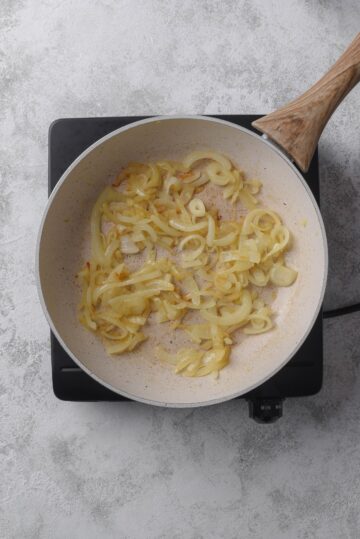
[127,470]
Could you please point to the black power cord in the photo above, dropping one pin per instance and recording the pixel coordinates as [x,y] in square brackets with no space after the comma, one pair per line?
[342,310]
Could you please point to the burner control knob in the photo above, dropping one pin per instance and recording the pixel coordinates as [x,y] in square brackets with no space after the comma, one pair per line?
[265,410]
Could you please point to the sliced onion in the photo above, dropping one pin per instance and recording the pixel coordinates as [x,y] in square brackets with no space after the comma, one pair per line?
[218,175]
[197,207]
[258,277]
[282,275]
[211,231]
[252,219]
[225,240]
[193,253]
[172,183]
[221,262]
[188,228]
[212,156]
[128,247]
[233,315]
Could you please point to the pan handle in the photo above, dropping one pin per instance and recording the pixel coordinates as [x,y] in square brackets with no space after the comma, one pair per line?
[297,126]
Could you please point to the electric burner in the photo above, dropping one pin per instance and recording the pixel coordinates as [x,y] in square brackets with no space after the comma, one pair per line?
[301,376]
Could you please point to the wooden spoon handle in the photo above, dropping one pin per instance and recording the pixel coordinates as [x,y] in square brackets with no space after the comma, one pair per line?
[297,127]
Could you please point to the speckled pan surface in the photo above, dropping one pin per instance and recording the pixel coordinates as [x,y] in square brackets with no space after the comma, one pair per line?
[63,246]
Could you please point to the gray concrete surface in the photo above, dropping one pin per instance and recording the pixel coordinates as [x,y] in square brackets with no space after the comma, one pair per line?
[126,470]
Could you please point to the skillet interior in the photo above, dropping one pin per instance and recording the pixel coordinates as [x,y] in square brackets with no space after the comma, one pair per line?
[63,245]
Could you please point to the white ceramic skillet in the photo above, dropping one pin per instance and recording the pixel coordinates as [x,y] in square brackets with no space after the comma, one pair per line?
[64,237]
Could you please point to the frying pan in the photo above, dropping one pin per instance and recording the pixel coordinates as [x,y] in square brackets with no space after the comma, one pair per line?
[63,244]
